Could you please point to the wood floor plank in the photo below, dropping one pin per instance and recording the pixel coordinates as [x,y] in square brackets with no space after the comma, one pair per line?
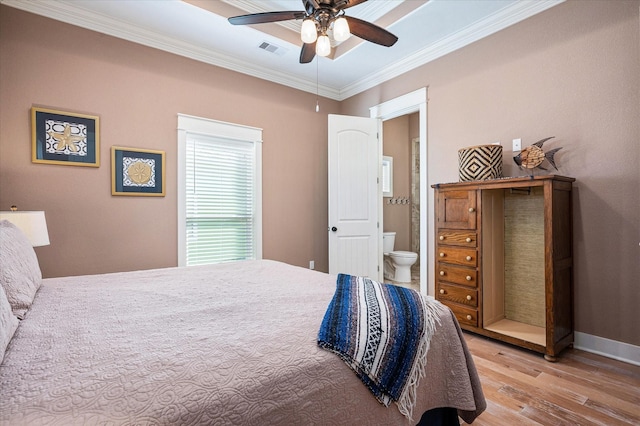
[522,388]
[574,414]
[544,418]
[491,389]
[590,393]
[604,380]
[555,401]
[630,417]
[498,415]
[623,369]
[577,394]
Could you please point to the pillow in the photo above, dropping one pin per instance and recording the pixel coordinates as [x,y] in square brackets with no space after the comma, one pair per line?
[8,323]
[20,274]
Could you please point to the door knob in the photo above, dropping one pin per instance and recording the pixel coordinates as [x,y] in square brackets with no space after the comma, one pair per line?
[334,229]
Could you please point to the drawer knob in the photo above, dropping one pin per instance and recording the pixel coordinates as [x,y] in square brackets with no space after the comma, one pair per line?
[441,237]
[441,254]
[441,291]
[471,210]
[441,273]
[468,277]
[468,239]
[468,258]
[468,296]
[469,317]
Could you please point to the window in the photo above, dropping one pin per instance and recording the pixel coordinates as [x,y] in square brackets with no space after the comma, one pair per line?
[219,191]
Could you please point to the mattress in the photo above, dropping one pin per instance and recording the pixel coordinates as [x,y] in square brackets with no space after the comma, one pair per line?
[225,344]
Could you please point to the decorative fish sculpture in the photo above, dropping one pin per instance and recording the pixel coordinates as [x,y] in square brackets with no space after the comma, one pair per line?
[533,156]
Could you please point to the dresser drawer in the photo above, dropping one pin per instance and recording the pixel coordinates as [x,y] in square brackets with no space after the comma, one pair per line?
[456,274]
[457,238]
[457,255]
[464,315]
[462,295]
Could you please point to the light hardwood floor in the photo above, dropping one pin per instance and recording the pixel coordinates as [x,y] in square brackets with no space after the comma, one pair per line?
[522,388]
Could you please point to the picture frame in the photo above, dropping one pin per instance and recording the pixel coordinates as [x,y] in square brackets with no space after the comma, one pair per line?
[64,138]
[137,172]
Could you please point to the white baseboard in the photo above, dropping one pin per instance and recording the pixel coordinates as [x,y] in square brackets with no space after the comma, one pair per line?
[606,347]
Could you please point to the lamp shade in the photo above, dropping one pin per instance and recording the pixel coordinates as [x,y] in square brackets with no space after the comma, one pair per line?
[33,224]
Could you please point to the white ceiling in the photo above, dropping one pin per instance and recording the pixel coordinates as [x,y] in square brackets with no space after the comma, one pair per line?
[198,29]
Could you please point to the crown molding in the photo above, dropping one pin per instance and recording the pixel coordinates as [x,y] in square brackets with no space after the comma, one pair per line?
[70,13]
[506,17]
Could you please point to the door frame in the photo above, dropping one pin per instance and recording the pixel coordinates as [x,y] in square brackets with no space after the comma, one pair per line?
[409,103]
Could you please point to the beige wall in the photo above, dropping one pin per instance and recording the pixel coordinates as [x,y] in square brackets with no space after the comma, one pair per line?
[138,92]
[572,72]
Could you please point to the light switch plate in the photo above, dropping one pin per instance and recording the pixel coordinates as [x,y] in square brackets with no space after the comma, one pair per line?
[517,144]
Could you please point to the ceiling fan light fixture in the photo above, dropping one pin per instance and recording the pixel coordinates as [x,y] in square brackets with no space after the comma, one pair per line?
[341,29]
[323,46]
[319,18]
[308,33]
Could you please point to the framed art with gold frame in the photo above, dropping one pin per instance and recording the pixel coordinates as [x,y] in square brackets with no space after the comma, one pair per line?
[66,138]
[139,172]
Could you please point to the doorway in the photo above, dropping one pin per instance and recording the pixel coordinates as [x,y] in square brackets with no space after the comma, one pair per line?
[400,219]
[410,103]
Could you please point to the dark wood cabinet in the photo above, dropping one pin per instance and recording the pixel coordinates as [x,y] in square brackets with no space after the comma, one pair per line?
[504,260]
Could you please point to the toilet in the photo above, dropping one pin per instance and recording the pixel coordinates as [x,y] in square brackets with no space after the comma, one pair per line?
[397,264]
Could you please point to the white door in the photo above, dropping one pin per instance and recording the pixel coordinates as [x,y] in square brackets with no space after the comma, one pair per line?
[355,201]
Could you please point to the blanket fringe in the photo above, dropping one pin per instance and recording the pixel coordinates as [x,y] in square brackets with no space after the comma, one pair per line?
[407,400]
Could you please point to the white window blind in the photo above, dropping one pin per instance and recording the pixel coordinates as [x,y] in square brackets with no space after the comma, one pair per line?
[221,199]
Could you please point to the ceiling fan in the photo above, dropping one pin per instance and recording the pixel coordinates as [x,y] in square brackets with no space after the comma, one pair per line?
[318,17]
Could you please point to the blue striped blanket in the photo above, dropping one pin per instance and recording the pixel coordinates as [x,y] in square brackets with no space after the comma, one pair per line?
[382,332]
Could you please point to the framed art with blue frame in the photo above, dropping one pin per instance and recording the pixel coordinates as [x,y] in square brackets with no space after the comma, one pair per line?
[139,172]
[66,138]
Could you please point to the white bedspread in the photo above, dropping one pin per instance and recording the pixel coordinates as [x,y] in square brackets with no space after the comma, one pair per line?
[216,345]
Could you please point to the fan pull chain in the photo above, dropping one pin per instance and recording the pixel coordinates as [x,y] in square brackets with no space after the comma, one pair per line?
[317,86]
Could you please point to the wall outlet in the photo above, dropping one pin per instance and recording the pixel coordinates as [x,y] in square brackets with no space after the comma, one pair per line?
[312,264]
[517,144]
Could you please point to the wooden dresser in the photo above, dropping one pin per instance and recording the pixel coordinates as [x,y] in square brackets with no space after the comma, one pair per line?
[504,259]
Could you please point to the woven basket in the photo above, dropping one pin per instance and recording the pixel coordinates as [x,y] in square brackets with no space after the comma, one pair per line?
[480,162]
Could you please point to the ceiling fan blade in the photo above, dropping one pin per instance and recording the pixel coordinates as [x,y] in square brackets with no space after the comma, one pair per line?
[308,52]
[370,32]
[265,17]
[351,3]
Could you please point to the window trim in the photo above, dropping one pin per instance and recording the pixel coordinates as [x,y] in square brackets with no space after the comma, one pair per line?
[188,124]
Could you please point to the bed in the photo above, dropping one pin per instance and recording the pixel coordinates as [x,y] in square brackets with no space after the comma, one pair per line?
[233,343]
